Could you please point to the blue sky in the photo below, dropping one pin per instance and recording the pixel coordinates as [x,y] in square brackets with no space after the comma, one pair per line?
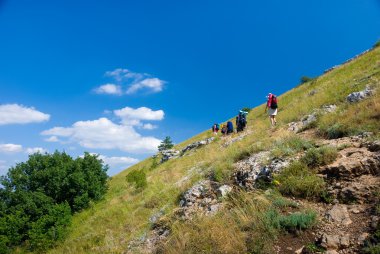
[116,77]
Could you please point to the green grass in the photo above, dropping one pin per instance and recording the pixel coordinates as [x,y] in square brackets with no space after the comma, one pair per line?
[322,156]
[299,181]
[123,215]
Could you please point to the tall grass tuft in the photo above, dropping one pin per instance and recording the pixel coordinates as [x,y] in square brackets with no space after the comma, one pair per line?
[299,181]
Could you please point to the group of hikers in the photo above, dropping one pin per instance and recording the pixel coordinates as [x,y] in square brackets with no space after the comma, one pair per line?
[241,118]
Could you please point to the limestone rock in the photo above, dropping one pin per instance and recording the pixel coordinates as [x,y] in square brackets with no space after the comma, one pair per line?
[224,190]
[339,214]
[197,144]
[361,95]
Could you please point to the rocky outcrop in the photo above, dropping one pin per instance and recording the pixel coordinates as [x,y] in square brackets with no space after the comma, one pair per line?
[361,95]
[202,199]
[354,162]
[311,118]
[197,144]
[169,154]
[255,167]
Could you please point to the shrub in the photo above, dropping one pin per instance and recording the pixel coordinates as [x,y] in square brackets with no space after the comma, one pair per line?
[305,79]
[290,146]
[316,157]
[377,44]
[298,221]
[138,178]
[299,181]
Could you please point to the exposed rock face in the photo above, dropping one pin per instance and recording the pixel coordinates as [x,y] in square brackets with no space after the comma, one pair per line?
[169,154]
[197,144]
[354,162]
[361,95]
[249,170]
[309,119]
[202,199]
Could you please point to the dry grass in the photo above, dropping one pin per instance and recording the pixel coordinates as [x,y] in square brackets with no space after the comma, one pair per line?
[123,215]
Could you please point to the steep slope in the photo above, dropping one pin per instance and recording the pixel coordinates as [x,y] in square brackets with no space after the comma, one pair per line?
[123,221]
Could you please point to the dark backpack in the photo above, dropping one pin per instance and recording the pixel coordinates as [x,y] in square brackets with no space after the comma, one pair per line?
[273,104]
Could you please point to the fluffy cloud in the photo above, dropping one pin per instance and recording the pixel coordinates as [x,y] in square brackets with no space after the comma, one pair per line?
[131,116]
[149,126]
[104,134]
[151,84]
[10,148]
[109,89]
[118,161]
[19,114]
[13,148]
[52,139]
[133,82]
[33,150]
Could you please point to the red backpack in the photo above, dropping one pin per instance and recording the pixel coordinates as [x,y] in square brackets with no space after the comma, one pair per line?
[273,103]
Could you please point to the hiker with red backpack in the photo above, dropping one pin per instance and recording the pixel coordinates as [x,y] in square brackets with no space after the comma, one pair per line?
[272,106]
[215,128]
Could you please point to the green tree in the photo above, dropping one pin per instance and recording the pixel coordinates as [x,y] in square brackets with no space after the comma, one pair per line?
[38,197]
[165,144]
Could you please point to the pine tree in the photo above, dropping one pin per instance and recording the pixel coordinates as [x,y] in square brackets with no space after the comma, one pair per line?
[165,144]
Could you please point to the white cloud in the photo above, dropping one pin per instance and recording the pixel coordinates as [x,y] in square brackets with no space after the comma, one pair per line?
[32,150]
[149,126]
[154,85]
[19,114]
[125,74]
[134,82]
[10,148]
[131,116]
[52,139]
[109,89]
[104,134]
[118,161]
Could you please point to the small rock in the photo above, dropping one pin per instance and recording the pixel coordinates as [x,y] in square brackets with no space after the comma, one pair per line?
[299,251]
[330,241]
[224,190]
[339,214]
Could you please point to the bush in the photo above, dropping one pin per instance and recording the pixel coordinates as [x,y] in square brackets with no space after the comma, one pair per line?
[305,79]
[292,222]
[299,181]
[298,221]
[377,44]
[281,202]
[290,146]
[138,178]
[37,197]
[316,157]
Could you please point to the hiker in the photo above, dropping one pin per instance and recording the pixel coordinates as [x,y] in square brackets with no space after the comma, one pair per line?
[241,120]
[215,128]
[230,127]
[272,106]
[224,130]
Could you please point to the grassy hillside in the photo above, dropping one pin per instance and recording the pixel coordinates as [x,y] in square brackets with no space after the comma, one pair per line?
[123,215]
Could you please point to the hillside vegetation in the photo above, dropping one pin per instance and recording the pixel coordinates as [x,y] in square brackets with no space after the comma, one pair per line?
[250,221]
